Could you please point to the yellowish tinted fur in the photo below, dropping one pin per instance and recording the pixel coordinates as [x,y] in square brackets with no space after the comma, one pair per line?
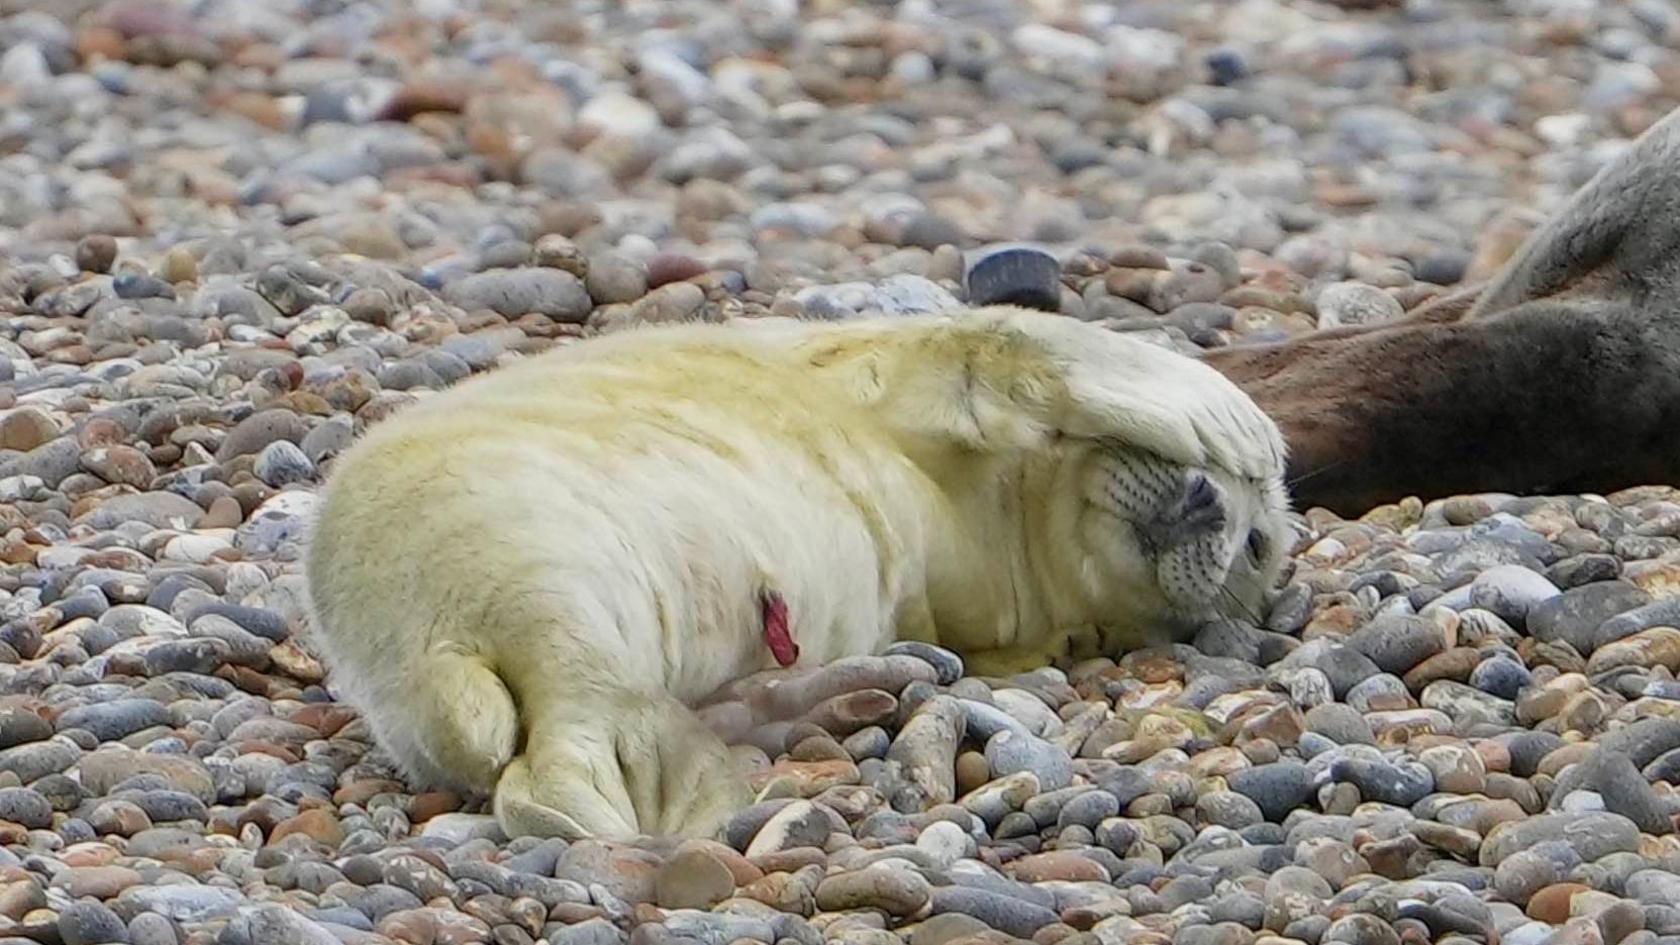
[523,582]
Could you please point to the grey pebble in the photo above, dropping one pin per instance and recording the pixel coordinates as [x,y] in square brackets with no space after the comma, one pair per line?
[1397,643]
[1511,592]
[515,292]
[1340,723]
[1401,784]
[109,721]
[86,922]
[1007,914]
[1575,616]
[1502,676]
[1009,752]
[947,664]
[1088,810]
[1589,835]
[1276,788]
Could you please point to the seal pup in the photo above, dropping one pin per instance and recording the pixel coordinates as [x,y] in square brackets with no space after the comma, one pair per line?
[1562,374]
[525,582]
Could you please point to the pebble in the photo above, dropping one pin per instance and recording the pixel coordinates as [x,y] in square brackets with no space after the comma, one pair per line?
[1276,788]
[1009,752]
[1355,303]
[1511,592]
[512,293]
[898,893]
[1588,835]
[1018,276]
[1574,616]
[694,879]
[1007,914]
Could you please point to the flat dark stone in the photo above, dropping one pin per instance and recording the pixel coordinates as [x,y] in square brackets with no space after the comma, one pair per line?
[1029,278]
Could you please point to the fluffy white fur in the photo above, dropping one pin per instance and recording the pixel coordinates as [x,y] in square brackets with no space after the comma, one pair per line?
[525,581]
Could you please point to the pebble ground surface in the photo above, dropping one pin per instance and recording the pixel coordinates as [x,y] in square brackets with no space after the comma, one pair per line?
[234,234]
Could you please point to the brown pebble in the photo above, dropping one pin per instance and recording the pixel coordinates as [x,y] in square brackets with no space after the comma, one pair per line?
[434,926]
[972,771]
[1057,865]
[26,428]
[96,253]
[320,825]
[895,892]
[224,512]
[819,748]
[120,818]
[571,913]
[672,267]
[782,891]
[360,792]
[1138,257]
[1551,904]
[120,465]
[291,659]
[692,879]
[420,96]
[849,712]
[19,897]
[809,778]
[1454,664]
[430,804]
[97,882]
[178,266]
[786,861]
[1053,933]
[1282,724]
[739,867]
[1562,757]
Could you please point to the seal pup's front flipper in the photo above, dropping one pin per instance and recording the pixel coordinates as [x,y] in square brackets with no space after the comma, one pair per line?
[1007,381]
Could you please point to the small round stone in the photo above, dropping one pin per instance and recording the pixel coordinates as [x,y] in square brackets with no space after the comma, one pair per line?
[96,253]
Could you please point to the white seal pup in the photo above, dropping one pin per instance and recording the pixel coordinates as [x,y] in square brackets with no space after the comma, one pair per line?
[525,582]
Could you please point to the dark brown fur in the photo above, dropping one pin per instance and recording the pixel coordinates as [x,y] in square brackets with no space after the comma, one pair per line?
[1561,375]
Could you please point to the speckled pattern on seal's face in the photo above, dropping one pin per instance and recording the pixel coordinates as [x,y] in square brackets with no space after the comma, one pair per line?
[1212,541]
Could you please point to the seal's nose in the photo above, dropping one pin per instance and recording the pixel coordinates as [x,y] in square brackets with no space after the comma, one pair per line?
[1202,507]
[1198,510]
[1200,495]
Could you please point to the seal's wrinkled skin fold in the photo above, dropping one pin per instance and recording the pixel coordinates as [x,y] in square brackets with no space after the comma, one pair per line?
[524,582]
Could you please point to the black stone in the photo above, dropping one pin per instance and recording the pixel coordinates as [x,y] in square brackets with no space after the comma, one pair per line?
[1029,278]
[1226,66]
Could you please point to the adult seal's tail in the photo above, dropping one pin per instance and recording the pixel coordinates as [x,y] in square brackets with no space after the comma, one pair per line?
[525,582]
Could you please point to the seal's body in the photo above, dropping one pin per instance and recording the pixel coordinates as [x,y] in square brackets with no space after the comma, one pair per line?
[524,582]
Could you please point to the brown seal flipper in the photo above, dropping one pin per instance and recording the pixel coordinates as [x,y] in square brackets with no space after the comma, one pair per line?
[1552,396]
[1562,374]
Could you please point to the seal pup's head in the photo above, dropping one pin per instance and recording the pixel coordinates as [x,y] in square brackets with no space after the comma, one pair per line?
[1165,547]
